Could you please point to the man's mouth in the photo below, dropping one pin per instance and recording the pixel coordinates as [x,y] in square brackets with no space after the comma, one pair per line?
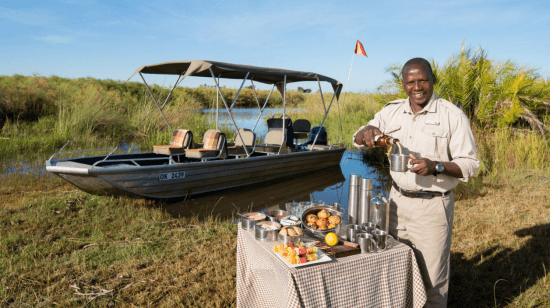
[419,95]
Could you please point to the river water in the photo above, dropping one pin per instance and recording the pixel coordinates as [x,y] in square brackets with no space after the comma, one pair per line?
[331,185]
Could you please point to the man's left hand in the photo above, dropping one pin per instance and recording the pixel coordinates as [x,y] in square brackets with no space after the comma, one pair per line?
[423,166]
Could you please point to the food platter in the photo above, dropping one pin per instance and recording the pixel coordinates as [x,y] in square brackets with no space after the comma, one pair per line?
[323,258]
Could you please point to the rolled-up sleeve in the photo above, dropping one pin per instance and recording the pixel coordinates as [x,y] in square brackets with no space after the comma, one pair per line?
[462,148]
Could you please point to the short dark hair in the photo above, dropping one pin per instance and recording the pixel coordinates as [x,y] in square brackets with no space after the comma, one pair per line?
[420,61]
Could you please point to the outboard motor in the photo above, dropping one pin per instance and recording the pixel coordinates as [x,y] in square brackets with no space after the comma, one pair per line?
[322,139]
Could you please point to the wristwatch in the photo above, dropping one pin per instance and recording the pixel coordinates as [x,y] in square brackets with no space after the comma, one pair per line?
[438,168]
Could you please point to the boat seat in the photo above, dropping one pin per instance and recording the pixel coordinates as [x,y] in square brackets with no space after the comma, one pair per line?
[318,147]
[274,143]
[182,139]
[301,128]
[249,139]
[213,146]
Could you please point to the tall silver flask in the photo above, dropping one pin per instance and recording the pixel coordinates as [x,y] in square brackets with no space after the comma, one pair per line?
[353,198]
[365,194]
[380,212]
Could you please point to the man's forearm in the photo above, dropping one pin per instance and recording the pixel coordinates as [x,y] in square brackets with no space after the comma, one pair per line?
[452,169]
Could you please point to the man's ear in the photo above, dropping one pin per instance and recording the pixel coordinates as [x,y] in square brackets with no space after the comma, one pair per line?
[434,79]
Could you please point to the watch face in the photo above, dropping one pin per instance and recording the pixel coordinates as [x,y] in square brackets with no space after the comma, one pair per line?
[439,167]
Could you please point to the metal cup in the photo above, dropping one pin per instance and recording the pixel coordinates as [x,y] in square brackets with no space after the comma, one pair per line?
[352,231]
[399,162]
[367,243]
[369,227]
[381,238]
[336,206]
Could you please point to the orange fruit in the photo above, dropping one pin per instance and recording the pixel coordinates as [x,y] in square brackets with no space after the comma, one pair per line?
[331,239]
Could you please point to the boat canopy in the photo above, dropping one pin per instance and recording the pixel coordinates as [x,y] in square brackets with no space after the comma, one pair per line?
[201,68]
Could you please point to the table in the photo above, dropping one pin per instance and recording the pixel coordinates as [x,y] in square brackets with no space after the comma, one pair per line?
[385,279]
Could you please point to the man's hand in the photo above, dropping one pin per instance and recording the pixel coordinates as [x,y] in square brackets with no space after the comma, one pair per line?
[423,166]
[366,136]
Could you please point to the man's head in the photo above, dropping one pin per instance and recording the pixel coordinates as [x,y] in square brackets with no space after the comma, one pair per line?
[418,81]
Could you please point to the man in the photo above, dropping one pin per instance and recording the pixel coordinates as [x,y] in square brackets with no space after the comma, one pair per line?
[439,137]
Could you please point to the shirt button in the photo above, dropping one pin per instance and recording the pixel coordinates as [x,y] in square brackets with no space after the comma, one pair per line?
[410,137]
[414,120]
[433,133]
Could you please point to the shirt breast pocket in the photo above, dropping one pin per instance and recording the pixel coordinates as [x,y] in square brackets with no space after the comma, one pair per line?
[435,142]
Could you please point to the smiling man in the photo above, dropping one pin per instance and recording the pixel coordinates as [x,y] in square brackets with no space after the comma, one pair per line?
[438,135]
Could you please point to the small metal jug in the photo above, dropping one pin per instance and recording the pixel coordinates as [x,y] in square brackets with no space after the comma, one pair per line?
[380,212]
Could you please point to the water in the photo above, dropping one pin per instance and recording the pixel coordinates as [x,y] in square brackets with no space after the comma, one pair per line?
[329,185]
[245,118]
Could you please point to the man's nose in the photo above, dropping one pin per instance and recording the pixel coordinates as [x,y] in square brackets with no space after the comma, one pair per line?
[417,85]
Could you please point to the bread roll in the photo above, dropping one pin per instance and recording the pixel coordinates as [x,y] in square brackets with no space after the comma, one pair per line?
[291,232]
[298,231]
[284,231]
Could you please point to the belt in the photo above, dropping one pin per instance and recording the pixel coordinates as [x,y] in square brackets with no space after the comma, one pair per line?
[418,193]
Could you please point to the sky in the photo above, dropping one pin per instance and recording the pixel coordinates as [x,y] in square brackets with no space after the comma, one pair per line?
[111,39]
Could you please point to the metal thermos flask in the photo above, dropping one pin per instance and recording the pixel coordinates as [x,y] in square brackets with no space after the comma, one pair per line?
[353,198]
[365,194]
[380,212]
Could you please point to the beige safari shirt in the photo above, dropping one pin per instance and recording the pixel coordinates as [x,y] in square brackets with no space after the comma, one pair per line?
[439,132]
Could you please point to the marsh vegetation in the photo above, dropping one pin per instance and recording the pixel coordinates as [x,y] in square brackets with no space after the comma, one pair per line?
[62,247]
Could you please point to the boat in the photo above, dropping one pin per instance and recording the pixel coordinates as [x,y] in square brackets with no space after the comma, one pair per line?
[259,196]
[185,168]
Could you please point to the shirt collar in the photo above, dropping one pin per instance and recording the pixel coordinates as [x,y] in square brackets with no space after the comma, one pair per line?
[430,107]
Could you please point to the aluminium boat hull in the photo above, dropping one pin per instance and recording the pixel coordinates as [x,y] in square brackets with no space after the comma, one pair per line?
[195,177]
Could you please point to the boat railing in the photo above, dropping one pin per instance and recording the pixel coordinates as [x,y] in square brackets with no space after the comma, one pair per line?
[133,160]
[81,152]
[340,145]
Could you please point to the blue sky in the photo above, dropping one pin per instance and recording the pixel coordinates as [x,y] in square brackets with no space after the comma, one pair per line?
[110,39]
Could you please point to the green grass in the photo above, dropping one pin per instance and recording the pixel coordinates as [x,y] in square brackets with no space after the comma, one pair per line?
[56,242]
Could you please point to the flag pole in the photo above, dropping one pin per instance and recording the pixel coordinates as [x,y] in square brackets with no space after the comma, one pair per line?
[349,74]
[345,92]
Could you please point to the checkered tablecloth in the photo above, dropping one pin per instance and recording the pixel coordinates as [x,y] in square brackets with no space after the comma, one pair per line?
[385,279]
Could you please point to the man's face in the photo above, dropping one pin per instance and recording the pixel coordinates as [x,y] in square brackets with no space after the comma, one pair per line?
[418,84]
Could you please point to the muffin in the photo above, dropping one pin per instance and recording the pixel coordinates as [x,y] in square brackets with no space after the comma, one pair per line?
[334,220]
[322,222]
[323,214]
[312,218]
[312,225]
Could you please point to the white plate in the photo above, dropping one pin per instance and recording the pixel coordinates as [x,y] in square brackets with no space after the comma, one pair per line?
[323,257]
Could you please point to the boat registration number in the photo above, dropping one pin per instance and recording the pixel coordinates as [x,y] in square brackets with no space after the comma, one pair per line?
[172,176]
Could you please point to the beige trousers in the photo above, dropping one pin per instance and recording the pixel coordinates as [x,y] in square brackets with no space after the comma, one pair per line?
[427,226]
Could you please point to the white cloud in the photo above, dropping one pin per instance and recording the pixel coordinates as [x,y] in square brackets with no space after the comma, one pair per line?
[56,39]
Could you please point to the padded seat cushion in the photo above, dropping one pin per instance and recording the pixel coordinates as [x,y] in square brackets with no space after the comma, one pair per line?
[168,149]
[200,153]
[181,139]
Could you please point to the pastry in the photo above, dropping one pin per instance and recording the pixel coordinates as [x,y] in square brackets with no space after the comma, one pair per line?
[312,225]
[330,226]
[323,214]
[298,231]
[322,222]
[334,220]
[312,218]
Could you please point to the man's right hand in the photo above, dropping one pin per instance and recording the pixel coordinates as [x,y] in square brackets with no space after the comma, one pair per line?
[366,136]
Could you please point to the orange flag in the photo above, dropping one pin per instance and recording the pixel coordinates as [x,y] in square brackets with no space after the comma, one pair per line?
[359,49]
